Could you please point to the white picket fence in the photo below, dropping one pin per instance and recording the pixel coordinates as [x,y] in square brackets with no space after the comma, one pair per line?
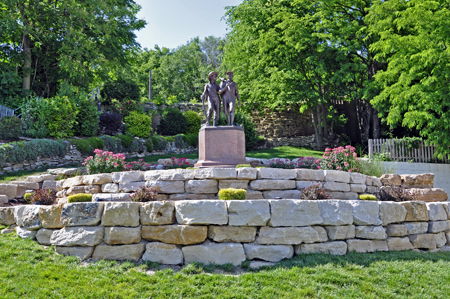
[397,150]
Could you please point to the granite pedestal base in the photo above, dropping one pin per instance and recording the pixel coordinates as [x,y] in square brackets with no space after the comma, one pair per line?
[221,146]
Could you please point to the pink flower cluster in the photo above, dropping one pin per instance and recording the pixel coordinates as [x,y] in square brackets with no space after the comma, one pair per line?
[177,163]
[339,158]
[139,165]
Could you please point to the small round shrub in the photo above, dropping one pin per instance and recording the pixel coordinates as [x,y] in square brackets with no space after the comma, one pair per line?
[149,145]
[126,140]
[110,122]
[172,122]
[81,197]
[232,193]
[10,128]
[138,124]
[96,142]
[120,90]
[27,197]
[243,165]
[137,146]
[82,145]
[367,197]
[194,122]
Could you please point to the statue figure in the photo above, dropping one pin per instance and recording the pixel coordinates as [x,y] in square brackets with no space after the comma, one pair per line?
[229,92]
[211,94]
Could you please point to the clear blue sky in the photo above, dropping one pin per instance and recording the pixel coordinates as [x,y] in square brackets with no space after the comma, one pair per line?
[171,23]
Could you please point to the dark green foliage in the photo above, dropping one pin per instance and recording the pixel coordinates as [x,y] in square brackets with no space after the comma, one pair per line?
[126,140]
[161,143]
[96,143]
[149,145]
[137,145]
[112,143]
[10,128]
[43,197]
[169,138]
[155,141]
[87,118]
[192,139]
[172,122]
[181,141]
[110,122]
[82,145]
[138,124]
[120,90]
[194,122]
[81,197]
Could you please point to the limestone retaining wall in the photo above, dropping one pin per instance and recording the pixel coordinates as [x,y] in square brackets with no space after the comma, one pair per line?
[215,231]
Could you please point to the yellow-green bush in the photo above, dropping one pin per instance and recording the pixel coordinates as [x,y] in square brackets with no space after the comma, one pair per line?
[27,197]
[232,193]
[139,124]
[81,197]
[367,197]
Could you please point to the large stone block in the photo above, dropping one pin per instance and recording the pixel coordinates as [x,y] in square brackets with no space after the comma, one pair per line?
[252,194]
[323,237]
[336,212]
[132,252]
[184,196]
[236,184]
[343,195]
[43,236]
[415,211]
[50,185]
[287,235]
[370,232]
[399,244]
[305,184]
[277,174]
[40,178]
[391,179]
[248,212]
[423,241]
[335,248]
[3,199]
[270,253]
[360,246]
[247,173]
[166,186]
[335,186]
[337,176]
[213,253]
[430,194]
[396,230]
[216,173]
[380,245]
[83,253]
[310,175]
[341,232]
[368,180]
[294,213]
[91,189]
[127,176]
[201,212]
[131,186]
[372,190]
[70,182]
[111,197]
[157,213]
[170,175]
[357,178]
[7,216]
[122,235]
[416,227]
[441,240]
[272,185]
[83,213]
[51,216]
[121,214]
[366,212]
[110,188]
[97,179]
[10,190]
[391,212]
[437,211]
[30,218]
[232,234]
[424,180]
[438,226]
[77,236]
[18,214]
[201,186]
[23,186]
[358,188]
[167,254]
[284,194]
[26,234]
[175,234]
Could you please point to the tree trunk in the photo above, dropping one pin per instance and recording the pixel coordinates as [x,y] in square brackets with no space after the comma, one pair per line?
[317,127]
[376,131]
[26,63]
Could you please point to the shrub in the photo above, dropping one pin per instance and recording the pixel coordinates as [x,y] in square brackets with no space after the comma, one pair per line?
[181,141]
[43,197]
[315,192]
[137,145]
[162,143]
[96,143]
[87,117]
[27,197]
[83,145]
[126,140]
[112,144]
[169,138]
[393,193]
[104,162]
[81,197]
[127,106]
[232,193]
[243,165]
[139,165]
[155,142]
[120,90]
[144,194]
[110,122]
[149,145]
[367,197]
[192,139]
[62,117]
[194,122]
[10,128]
[138,124]
[172,122]
[339,158]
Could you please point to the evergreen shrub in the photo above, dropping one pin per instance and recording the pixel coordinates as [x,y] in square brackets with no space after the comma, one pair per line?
[367,197]
[138,124]
[192,139]
[120,90]
[87,117]
[82,145]
[232,193]
[149,145]
[194,122]
[112,143]
[126,140]
[172,122]
[81,197]
[10,127]
[96,142]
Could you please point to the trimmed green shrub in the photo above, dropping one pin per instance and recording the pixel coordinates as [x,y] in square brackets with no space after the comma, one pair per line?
[110,122]
[192,139]
[161,143]
[149,145]
[194,122]
[172,122]
[155,142]
[181,141]
[81,197]
[169,138]
[232,193]
[112,143]
[126,140]
[120,90]
[62,117]
[138,124]
[138,145]
[87,117]
[82,145]
[96,143]
[243,165]
[27,197]
[10,128]
[367,197]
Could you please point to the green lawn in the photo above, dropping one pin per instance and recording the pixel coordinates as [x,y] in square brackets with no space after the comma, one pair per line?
[20,175]
[29,270]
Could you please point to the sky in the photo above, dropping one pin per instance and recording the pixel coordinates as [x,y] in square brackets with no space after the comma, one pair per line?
[172,23]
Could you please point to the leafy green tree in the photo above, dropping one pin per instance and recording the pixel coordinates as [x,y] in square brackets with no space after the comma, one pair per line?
[415,88]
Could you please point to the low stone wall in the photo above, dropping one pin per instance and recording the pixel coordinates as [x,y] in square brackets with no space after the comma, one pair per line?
[221,232]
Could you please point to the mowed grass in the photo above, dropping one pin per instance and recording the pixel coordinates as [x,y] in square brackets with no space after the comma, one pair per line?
[30,270]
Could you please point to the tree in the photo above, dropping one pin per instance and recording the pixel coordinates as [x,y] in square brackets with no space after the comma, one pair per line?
[212,47]
[415,86]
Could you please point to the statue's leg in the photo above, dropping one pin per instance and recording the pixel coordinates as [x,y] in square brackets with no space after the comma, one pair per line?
[232,108]
[226,108]
[216,112]
[209,112]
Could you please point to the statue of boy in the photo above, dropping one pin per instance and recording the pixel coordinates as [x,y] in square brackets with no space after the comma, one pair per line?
[211,93]
[229,92]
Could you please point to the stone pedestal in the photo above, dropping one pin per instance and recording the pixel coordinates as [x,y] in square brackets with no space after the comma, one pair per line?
[221,146]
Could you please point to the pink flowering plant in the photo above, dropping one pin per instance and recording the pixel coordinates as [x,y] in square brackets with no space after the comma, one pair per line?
[339,158]
[139,165]
[177,163]
[104,162]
